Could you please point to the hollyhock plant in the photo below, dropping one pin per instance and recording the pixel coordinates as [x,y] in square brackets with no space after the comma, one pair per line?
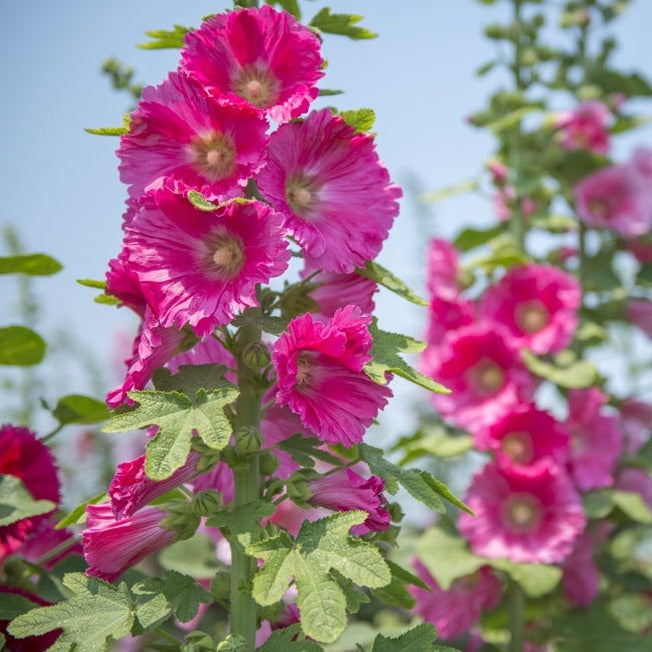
[320,376]
[442,269]
[180,134]
[586,127]
[334,290]
[202,268]
[261,57]
[337,198]
[596,440]
[455,610]
[536,304]
[485,374]
[523,516]
[639,313]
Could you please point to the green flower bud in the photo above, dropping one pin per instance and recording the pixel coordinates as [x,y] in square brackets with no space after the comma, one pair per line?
[298,486]
[256,356]
[248,440]
[207,502]
[181,518]
[396,512]
[268,463]
[232,644]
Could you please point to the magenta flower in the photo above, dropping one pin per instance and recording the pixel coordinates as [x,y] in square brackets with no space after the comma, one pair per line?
[581,577]
[596,440]
[111,546]
[526,517]
[635,424]
[320,376]
[335,290]
[201,268]
[344,491]
[443,269]
[122,283]
[636,481]
[337,198]
[448,315]
[536,304]
[455,610]
[617,198]
[525,437]
[23,456]
[639,313]
[642,162]
[179,133]
[260,57]
[485,374]
[586,128]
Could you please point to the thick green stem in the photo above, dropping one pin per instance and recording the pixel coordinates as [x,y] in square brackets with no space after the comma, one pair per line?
[516,618]
[247,489]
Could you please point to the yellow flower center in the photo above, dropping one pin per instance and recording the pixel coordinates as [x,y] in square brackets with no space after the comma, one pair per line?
[518,446]
[257,85]
[487,377]
[300,194]
[523,513]
[228,256]
[214,156]
[531,316]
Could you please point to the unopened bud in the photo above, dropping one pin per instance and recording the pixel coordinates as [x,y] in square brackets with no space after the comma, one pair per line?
[248,440]
[256,356]
[298,487]
[206,503]
[395,511]
[181,518]
[268,463]
[232,643]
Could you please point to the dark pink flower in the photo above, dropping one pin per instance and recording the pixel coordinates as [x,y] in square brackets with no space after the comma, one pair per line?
[536,304]
[122,283]
[636,481]
[635,424]
[525,437]
[23,456]
[337,198]
[526,517]
[344,490]
[320,376]
[639,313]
[111,546]
[596,441]
[586,127]
[642,162]
[455,610]
[334,290]
[641,249]
[260,57]
[485,374]
[616,198]
[44,539]
[201,268]
[442,270]
[581,576]
[498,172]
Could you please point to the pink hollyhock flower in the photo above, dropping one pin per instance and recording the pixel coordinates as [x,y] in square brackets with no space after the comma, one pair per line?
[616,198]
[635,424]
[581,576]
[122,283]
[337,198]
[596,441]
[443,270]
[642,162]
[219,478]
[525,437]
[504,202]
[455,610]
[320,375]
[334,290]
[45,539]
[639,313]
[178,132]
[498,172]
[201,268]
[23,456]
[485,374]
[111,546]
[637,481]
[261,57]
[290,516]
[641,249]
[586,127]
[536,304]
[526,517]
[131,489]
[344,491]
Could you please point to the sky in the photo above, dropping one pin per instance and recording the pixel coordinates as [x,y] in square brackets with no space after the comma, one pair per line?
[61,187]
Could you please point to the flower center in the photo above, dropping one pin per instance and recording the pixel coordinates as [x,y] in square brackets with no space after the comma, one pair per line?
[599,207]
[228,257]
[518,446]
[214,156]
[531,316]
[304,371]
[487,377]
[523,513]
[300,194]
[257,85]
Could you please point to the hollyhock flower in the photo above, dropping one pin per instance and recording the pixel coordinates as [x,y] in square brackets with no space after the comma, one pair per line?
[641,249]
[639,313]
[334,290]
[442,270]
[525,437]
[636,481]
[260,57]
[526,517]
[23,456]
[201,268]
[642,162]
[504,202]
[536,304]
[581,576]
[122,283]
[448,316]
[635,424]
[291,517]
[498,172]
[586,127]
[485,375]
[344,490]
[320,376]
[337,198]
[596,440]
[111,546]
[178,132]
[616,198]
[455,610]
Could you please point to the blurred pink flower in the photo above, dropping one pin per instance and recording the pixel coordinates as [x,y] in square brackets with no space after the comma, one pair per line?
[635,424]
[586,127]
[639,313]
[637,481]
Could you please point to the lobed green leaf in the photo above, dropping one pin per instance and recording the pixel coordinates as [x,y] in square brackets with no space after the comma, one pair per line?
[164,38]
[384,277]
[343,24]
[419,639]
[77,408]
[362,120]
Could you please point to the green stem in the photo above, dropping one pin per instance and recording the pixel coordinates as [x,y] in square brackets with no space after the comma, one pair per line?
[516,618]
[244,610]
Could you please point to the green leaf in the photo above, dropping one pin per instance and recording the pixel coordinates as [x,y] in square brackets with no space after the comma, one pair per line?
[78,514]
[106,131]
[291,6]
[326,92]
[578,374]
[632,612]
[612,81]
[633,505]
[177,417]
[289,639]
[305,450]
[597,504]
[384,277]
[199,201]
[32,264]
[320,546]
[361,120]
[243,520]
[574,165]
[92,283]
[190,379]
[194,557]
[268,324]
[420,639]
[107,300]
[386,347]
[485,68]
[420,484]
[432,440]
[13,605]
[163,38]
[344,24]
[535,579]
[20,346]
[511,119]
[470,238]
[157,598]
[76,408]
[16,502]
[396,593]
[450,191]
[96,613]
